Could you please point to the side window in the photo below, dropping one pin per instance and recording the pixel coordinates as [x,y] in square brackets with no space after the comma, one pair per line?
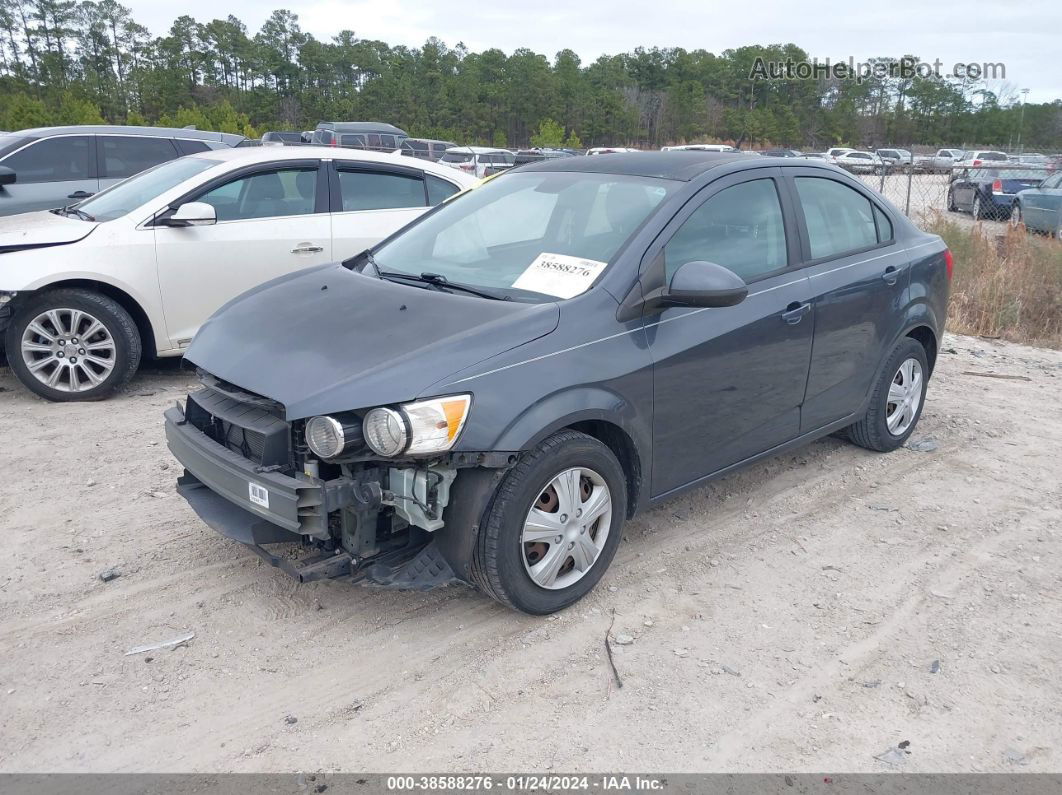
[884,225]
[123,156]
[370,190]
[740,228]
[52,160]
[267,194]
[189,147]
[439,190]
[839,218]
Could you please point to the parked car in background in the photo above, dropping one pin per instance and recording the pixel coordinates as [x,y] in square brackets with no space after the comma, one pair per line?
[859,162]
[1031,159]
[699,148]
[524,156]
[374,136]
[478,161]
[85,289]
[284,137]
[990,192]
[895,159]
[833,153]
[489,394]
[982,157]
[782,153]
[608,150]
[426,148]
[943,162]
[1040,208]
[814,156]
[50,167]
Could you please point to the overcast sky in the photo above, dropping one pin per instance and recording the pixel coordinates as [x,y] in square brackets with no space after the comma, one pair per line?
[1024,35]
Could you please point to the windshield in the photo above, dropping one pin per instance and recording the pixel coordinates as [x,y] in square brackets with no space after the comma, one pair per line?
[523,229]
[129,194]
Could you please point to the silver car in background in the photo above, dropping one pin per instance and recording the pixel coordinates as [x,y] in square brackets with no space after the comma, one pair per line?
[49,167]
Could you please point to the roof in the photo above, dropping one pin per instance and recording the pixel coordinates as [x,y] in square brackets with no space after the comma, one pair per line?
[477,150]
[682,165]
[268,154]
[360,126]
[120,129]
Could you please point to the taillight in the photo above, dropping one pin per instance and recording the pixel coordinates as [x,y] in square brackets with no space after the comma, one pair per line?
[997,186]
[949,262]
[977,162]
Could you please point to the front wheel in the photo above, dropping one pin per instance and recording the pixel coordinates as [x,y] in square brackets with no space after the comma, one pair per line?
[978,210]
[68,345]
[1015,215]
[554,525]
[897,399]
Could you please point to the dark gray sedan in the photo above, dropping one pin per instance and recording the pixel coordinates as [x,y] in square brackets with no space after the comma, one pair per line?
[487,395]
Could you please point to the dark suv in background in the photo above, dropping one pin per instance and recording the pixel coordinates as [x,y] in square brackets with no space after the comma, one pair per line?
[376,136]
[49,167]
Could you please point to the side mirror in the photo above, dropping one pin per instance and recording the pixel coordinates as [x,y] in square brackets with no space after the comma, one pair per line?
[701,283]
[192,214]
[7,176]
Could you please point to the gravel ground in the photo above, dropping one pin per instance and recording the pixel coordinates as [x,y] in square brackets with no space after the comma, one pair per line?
[808,614]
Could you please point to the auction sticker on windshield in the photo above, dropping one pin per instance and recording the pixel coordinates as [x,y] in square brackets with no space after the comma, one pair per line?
[559,274]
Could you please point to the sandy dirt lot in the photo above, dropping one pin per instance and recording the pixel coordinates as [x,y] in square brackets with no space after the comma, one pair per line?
[807,614]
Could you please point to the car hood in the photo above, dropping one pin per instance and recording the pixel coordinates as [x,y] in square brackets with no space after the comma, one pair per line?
[44,228]
[330,339]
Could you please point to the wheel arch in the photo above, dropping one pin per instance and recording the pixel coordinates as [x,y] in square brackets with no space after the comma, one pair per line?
[928,339]
[124,299]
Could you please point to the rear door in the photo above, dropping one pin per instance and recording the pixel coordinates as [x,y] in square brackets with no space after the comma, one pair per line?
[272,220]
[121,156]
[858,277]
[50,172]
[369,201]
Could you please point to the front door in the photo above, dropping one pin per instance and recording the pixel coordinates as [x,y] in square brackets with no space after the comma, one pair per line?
[272,221]
[728,382]
[49,173]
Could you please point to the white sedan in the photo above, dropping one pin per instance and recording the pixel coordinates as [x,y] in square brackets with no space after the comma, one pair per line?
[140,266]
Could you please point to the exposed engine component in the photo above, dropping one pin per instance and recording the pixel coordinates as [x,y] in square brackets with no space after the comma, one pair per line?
[420,495]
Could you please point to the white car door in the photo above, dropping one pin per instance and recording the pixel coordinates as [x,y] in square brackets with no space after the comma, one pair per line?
[272,219]
[371,200]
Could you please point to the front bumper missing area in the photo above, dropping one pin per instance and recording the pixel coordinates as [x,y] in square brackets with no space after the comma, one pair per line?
[217,484]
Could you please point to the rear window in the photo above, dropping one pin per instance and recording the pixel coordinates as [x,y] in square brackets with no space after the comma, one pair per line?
[457,157]
[991,156]
[190,147]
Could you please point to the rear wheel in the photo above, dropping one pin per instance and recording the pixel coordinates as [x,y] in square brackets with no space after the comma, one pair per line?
[1015,215]
[951,202]
[554,525]
[897,399]
[68,345]
[978,209]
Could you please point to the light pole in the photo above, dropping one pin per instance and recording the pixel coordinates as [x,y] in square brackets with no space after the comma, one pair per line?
[1021,118]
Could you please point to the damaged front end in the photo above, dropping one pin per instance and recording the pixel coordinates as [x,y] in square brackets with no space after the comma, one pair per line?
[251,475]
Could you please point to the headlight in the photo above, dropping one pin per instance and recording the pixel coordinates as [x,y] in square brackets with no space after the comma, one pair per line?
[426,426]
[385,432]
[328,436]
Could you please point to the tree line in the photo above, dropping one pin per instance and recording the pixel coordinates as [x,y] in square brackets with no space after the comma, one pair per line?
[69,62]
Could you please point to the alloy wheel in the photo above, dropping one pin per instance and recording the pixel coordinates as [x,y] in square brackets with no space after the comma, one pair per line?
[905,397]
[566,528]
[68,350]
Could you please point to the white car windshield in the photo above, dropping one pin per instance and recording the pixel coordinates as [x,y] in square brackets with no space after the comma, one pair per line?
[126,196]
[514,231]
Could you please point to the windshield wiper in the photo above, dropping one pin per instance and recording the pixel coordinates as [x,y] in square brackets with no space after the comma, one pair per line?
[438,282]
[71,209]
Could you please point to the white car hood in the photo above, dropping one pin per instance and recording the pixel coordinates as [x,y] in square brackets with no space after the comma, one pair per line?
[44,228]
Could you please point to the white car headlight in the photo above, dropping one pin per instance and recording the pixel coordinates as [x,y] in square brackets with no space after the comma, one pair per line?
[425,426]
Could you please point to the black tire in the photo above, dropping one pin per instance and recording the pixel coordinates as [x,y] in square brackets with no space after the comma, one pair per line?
[1015,215]
[872,432]
[116,321]
[498,565]
[977,209]
[951,202]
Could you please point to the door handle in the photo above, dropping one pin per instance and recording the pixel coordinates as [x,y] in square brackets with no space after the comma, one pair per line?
[307,249]
[79,194]
[795,312]
[890,275]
